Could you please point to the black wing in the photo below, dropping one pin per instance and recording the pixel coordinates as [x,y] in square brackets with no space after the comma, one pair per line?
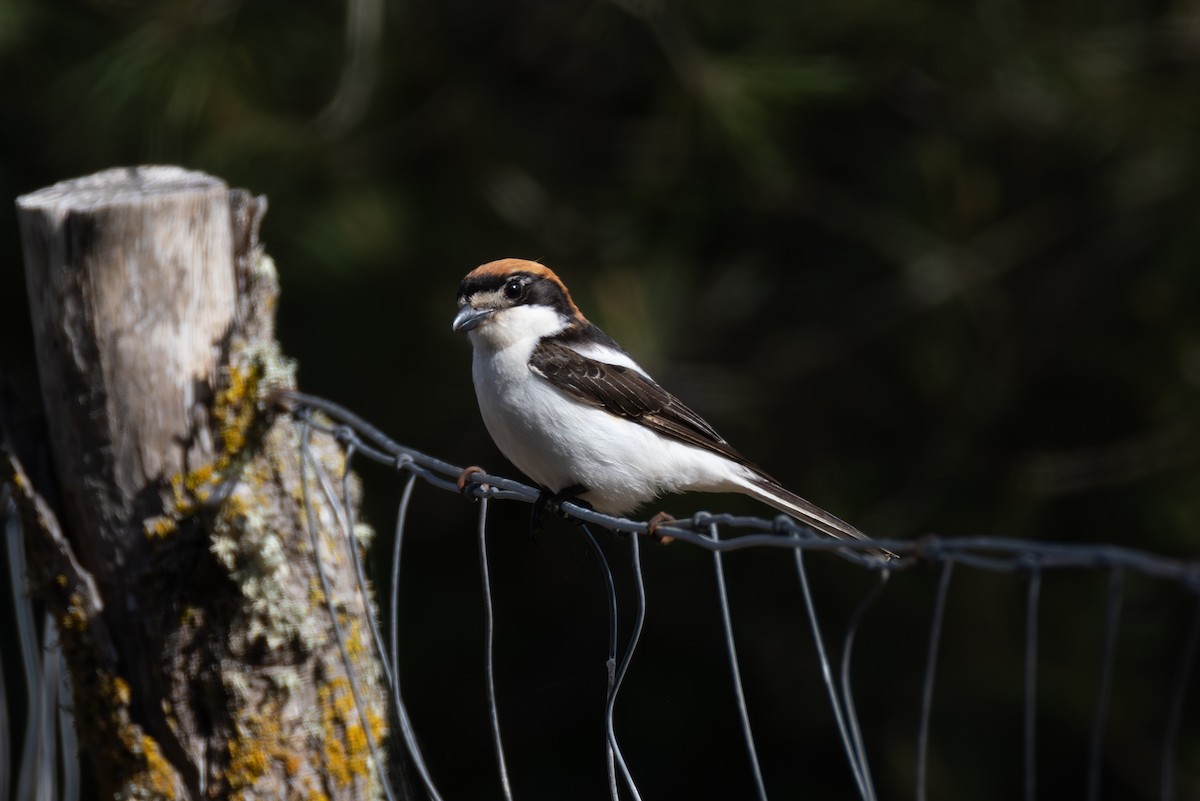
[627,393]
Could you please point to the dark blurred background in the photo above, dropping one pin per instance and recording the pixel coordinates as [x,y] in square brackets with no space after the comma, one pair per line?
[933,265]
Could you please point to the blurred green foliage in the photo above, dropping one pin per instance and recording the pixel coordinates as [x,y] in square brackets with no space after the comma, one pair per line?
[934,265]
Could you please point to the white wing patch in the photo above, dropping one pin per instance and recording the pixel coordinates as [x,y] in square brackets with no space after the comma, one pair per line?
[605,354]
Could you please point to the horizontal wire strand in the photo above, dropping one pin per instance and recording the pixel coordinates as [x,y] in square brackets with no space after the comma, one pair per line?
[992,554]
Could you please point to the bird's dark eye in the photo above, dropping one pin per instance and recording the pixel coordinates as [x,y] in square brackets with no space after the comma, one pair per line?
[513,289]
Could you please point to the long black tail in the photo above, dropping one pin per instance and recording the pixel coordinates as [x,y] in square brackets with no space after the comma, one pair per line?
[808,513]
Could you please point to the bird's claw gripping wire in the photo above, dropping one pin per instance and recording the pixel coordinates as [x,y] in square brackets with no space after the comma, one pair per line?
[656,522]
[464,481]
[554,501]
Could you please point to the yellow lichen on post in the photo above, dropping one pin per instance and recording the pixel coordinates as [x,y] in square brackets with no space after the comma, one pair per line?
[316,596]
[141,771]
[315,794]
[237,409]
[259,748]
[246,764]
[119,690]
[75,619]
[345,747]
[159,527]
[354,640]
[237,403]
[158,778]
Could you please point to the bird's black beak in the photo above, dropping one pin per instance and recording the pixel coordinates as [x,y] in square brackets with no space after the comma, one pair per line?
[468,317]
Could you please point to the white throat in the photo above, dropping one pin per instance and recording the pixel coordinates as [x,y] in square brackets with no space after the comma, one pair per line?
[519,324]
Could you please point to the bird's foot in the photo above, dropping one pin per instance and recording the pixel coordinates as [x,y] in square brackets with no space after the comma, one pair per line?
[652,526]
[464,478]
[554,501]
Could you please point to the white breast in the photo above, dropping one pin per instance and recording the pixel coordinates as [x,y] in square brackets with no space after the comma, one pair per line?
[560,442]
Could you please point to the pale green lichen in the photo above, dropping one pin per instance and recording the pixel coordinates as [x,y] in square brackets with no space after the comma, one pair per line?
[286,680]
[237,687]
[260,536]
[245,537]
[248,544]
[364,534]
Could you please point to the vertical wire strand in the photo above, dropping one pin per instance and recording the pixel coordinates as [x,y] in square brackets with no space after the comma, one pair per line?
[359,575]
[1112,620]
[489,662]
[5,743]
[27,640]
[1187,660]
[735,669]
[345,514]
[306,457]
[12,531]
[47,785]
[1031,655]
[68,745]
[935,639]
[345,517]
[847,693]
[610,664]
[406,728]
[638,621]
[394,594]
[827,674]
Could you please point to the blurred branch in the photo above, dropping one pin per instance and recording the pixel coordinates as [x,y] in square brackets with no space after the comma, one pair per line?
[364,27]
[1065,471]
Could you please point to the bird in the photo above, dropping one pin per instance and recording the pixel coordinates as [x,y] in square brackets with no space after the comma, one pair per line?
[571,409]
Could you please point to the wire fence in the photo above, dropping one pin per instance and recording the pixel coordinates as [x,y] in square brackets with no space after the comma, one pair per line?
[48,767]
[1026,560]
[51,767]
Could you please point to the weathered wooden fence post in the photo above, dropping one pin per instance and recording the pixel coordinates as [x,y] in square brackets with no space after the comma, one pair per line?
[179,563]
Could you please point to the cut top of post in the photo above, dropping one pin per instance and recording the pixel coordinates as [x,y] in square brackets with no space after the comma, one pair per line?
[121,186]
[133,298]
